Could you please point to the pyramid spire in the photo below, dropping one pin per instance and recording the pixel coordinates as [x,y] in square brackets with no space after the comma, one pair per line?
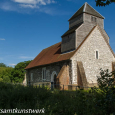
[86,8]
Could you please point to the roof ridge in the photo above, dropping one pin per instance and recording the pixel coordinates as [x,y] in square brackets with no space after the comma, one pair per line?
[95,10]
[72,29]
[76,12]
[49,56]
[85,7]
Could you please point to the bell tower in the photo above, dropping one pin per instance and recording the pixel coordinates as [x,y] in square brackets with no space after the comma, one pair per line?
[80,24]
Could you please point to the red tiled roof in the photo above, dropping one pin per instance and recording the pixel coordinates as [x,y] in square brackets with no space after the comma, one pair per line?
[50,55]
[53,54]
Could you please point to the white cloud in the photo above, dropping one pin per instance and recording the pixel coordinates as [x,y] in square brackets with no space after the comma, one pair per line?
[43,2]
[2,39]
[26,1]
[8,6]
[12,64]
[25,6]
[25,57]
[29,6]
[33,3]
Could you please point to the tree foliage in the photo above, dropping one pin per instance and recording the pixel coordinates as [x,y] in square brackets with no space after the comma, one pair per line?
[19,72]
[15,75]
[104,2]
[2,65]
[106,79]
[5,74]
[106,100]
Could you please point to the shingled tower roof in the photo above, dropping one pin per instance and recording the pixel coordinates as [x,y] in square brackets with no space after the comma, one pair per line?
[86,8]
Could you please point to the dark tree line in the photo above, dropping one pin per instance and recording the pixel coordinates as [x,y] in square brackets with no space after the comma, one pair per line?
[2,65]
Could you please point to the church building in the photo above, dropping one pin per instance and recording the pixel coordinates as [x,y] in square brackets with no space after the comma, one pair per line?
[77,59]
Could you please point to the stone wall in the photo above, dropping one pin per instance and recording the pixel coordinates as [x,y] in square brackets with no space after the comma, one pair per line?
[37,72]
[87,55]
[64,77]
[84,30]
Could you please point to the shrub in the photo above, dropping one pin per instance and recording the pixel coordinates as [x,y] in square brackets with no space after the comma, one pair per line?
[105,95]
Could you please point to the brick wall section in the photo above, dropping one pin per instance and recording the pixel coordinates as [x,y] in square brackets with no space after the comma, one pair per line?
[87,55]
[82,81]
[79,79]
[63,76]
[113,66]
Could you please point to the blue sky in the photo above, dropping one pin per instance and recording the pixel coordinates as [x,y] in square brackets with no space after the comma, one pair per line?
[28,26]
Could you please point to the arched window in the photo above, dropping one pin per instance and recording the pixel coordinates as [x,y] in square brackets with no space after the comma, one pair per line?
[53,79]
[52,76]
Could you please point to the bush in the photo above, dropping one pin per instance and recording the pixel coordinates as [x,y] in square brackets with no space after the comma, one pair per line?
[105,95]
[96,101]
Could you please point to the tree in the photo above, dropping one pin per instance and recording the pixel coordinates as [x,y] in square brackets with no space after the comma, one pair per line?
[106,79]
[104,2]
[2,65]
[19,72]
[5,74]
[105,94]
[1,79]
[6,79]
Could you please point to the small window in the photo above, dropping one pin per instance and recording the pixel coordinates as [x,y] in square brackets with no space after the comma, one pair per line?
[44,73]
[31,76]
[97,55]
[93,19]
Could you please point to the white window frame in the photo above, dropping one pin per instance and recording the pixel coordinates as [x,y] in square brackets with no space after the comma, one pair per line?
[43,73]
[31,77]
